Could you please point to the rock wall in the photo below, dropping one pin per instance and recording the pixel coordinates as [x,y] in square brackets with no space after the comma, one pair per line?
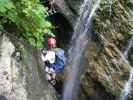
[107,70]
[104,54]
[21,75]
[70,8]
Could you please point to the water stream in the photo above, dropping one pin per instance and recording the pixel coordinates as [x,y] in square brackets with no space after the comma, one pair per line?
[127,88]
[79,40]
[130,43]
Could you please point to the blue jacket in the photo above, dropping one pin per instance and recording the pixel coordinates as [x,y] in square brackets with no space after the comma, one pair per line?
[60,60]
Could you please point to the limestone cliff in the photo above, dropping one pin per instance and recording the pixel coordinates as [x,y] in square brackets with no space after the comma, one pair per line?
[21,75]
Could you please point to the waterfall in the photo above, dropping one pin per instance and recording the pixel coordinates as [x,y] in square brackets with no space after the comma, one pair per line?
[79,40]
[127,88]
[130,42]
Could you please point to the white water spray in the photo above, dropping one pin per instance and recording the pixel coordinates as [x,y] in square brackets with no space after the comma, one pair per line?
[79,41]
[127,88]
[130,43]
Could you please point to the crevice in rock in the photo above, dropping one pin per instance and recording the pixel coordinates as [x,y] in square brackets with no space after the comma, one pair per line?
[62,27]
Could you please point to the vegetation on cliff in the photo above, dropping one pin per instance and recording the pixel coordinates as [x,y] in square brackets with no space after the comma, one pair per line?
[29,17]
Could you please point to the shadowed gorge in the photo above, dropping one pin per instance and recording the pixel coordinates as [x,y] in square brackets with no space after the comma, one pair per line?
[63,29]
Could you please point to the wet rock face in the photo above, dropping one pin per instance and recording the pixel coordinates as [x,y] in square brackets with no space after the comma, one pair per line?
[21,77]
[106,68]
[104,54]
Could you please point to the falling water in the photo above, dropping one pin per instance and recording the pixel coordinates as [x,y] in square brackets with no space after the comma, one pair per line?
[128,47]
[110,7]
[79,41]
[127,88]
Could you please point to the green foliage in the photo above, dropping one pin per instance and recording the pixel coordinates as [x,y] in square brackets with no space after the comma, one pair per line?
[30,18]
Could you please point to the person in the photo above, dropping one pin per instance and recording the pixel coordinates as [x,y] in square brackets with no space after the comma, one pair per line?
[54,60]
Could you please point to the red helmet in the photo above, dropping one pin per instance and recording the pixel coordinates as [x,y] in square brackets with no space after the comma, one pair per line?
[51,41]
